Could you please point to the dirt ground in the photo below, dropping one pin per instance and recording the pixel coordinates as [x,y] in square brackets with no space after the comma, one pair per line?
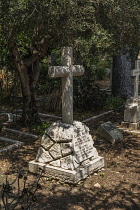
[118,182]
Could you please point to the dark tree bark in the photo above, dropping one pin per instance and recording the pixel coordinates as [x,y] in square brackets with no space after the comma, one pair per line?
[121,74]
[30,114]
[28,72]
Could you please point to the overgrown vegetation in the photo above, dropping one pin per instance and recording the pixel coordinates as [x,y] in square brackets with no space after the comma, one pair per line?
[88,96]
[31,30]
[41,128]
[114,102]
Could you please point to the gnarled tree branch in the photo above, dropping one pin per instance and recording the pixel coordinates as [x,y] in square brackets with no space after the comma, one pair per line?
[38,54]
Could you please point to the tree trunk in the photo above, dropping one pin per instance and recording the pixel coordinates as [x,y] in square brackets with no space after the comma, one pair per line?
[121,75]
[30,114]
[28,72]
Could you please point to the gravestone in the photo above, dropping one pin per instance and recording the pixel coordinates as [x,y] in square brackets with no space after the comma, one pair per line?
[132,106]
[136,73]
[67,152]
[109,132]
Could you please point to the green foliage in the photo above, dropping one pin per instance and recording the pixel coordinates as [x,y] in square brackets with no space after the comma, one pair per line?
[116,164]
[121,20]
[41,129]
[97,69]
[100,74]
[114,102]
[87,95]
[102,174]
[101,69]
[91,27]
[46,84]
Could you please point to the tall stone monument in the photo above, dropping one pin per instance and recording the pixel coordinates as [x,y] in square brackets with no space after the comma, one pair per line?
[132,106]
[67,152]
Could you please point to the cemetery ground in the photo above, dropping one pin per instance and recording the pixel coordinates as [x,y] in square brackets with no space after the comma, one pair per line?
[116,186]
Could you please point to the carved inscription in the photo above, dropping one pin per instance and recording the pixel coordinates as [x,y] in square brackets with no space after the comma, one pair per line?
[83,148]
[109,127]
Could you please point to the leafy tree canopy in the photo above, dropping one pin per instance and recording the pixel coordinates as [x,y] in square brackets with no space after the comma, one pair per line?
[122,20]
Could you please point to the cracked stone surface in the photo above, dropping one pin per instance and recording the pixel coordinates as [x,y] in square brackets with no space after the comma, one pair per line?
[43,156]
[69,162]
[56,163]
[55,151]
[46,142]
[67,145]
[66,148]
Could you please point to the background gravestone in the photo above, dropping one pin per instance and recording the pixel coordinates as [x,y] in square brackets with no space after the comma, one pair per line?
[109,132]
[132,106]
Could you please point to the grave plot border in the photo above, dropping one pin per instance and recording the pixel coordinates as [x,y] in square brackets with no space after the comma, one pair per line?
[22,133]
[15,144]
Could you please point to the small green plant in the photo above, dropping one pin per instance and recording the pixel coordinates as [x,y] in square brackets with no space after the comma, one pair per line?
[102,174]
[114,102]
[43,127]
[116,164]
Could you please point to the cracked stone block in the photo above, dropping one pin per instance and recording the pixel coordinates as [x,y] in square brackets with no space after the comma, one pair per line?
[43,156]
[86,129]
[85,162]
[55,163]
[72,152]
[69,162]
[95,155]
[52,131]
[46,142]
[66,149]
[55,151]
[60,132]
[83,148]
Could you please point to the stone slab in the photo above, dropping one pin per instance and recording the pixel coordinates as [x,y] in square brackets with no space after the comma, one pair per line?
[132,126]
[70,176]
[83,148]
[109,132]
[71,143]
[15,144]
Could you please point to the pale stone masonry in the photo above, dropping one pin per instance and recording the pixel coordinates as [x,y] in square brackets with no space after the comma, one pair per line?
[109,132]
[67,71]
[132,106]
[67,152]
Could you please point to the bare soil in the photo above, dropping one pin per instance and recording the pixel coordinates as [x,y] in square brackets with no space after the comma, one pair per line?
[119,185]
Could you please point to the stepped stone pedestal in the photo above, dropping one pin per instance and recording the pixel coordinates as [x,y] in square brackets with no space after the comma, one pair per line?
[67,153]
[132,113]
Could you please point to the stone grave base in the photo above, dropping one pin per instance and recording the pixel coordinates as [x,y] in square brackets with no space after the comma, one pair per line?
[70,176]
[132,113]
[67,153]
[133,126]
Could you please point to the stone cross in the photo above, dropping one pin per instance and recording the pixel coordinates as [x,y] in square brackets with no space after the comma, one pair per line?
[67,71]
[135,73]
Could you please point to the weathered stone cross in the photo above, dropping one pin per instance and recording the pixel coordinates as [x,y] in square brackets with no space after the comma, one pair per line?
[67,71]
[135,73]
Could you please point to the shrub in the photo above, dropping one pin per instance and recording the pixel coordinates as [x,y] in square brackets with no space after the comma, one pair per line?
[114,102]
